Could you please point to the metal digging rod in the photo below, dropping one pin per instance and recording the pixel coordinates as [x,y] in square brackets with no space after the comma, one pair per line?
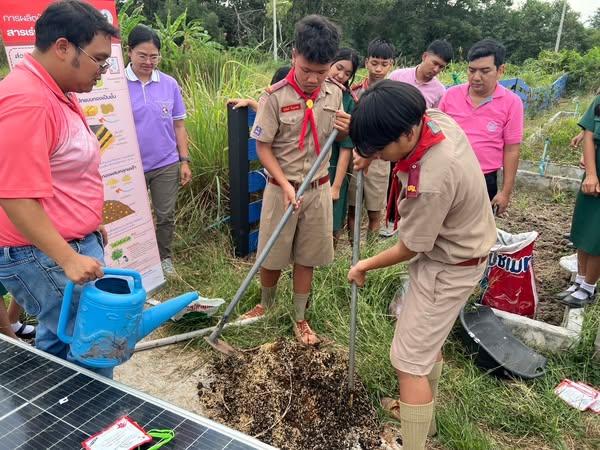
[354,301]
[213,339]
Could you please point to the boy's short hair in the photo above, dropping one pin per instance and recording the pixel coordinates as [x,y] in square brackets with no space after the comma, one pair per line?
[316,39]
[381,48]
[280,74]
[487,47]
[76,21]
[441,48]
[385,111]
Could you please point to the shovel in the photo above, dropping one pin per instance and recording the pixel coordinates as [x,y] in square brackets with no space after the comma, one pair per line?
[354,302]
[213,339]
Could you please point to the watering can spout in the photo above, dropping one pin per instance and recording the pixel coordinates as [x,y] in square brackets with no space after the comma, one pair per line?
[154,317]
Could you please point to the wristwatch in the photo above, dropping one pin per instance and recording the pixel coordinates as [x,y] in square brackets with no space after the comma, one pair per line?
[184,159]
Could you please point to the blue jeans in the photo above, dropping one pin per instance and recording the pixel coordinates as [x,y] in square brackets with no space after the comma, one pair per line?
[38,284]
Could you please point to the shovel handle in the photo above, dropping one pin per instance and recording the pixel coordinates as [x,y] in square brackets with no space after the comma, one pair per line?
[260,258]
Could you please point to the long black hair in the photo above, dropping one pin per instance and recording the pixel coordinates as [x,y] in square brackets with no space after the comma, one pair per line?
[347,54]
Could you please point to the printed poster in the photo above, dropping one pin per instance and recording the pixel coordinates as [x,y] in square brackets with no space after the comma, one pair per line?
[127,214]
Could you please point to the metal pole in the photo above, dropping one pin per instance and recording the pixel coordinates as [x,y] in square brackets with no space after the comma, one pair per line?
[354,300]
[275,29]
[260,259]
[560,26]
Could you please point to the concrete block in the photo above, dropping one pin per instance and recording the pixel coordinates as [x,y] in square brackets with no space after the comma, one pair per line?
[543,336]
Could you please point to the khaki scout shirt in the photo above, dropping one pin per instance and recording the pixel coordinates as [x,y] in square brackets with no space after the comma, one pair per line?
[279,123]
[451,220]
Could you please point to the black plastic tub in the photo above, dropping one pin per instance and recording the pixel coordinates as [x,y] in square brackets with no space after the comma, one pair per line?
[495,349]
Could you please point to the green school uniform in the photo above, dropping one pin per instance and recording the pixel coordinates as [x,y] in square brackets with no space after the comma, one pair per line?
[586,217]
[340,206]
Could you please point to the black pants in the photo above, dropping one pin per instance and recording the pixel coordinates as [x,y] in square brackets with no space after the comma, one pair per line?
[491,182]
[393,211]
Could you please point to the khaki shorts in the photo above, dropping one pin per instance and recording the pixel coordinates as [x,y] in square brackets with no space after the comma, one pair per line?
[436,294]
[375,186]
[307,238]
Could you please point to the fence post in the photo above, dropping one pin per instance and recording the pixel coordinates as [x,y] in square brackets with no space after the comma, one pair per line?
[238,134]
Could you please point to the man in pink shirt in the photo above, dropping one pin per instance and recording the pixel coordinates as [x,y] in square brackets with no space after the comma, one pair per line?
[51,192]
[491,116]
[435,59]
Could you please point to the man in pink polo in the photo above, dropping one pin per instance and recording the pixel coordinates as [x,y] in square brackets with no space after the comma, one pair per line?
[491,116]
[51,192]
[435,59]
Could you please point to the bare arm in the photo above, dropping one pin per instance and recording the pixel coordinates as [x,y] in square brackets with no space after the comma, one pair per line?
[590,184]
[394,255]
[181,137]
[511,164]
[269,162]
[33,223]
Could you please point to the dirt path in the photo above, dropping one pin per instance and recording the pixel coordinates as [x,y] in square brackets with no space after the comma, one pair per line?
[169,373]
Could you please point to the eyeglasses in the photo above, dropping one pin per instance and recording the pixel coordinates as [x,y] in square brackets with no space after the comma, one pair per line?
[154,59]
[102,67]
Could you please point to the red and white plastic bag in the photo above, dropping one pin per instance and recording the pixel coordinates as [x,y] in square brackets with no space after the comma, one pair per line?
[509,281]
[579,395]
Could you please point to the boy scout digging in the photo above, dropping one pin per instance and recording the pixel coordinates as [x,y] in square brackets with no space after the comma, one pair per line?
[294,116]
[445,220]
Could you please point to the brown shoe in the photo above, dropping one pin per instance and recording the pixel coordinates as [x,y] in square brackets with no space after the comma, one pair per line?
[257,311]
[305,334]
[391,406]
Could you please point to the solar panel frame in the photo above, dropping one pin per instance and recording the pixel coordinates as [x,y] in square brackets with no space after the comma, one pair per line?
[47,402]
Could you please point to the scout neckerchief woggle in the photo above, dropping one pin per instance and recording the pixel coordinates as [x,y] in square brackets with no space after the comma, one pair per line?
[431,134]
[309,115]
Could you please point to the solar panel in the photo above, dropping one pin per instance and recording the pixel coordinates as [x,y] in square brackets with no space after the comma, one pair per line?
[46,403]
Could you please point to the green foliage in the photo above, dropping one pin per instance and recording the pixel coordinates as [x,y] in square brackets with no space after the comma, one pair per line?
[130,15]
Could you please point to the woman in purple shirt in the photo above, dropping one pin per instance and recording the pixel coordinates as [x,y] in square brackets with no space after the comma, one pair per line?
[159,115]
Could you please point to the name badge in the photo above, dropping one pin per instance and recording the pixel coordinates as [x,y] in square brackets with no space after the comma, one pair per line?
[288,108]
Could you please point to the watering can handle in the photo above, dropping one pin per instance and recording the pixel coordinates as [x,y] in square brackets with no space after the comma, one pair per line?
[65,312]
[137,277]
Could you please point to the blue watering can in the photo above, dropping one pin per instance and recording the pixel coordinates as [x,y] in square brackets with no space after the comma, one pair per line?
[111,318]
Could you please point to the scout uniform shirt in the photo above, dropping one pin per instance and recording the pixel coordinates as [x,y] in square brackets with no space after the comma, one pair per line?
[444,208]
[279,122]
[376,180]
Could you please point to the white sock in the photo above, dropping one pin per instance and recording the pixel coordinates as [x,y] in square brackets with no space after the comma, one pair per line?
[579,279]
[573,287]
[28,328]
[584,291]
[591,288]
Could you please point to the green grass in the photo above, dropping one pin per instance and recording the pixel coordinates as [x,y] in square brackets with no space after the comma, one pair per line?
[560,132]
[476,411]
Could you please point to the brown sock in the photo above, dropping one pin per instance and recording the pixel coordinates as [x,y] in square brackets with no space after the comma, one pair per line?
[300,303]
[434,380]
[415,421]
[267,296]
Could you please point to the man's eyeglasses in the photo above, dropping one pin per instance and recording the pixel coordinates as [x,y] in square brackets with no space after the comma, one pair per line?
[102,67]
[154,59]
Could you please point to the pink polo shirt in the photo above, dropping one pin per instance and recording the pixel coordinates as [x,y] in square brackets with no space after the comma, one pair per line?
[48,153]
[433,90]
[493,124]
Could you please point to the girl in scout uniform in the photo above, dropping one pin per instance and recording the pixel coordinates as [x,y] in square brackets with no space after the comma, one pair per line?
[585,227]
[444,219]
[294,117]
[379,63]
[342,71]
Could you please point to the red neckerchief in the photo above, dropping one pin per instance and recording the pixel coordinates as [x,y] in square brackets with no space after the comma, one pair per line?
[431,135]
[309,115]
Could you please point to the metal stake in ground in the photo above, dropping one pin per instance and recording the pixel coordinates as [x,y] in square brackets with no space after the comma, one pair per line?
[355,257]
[213,339]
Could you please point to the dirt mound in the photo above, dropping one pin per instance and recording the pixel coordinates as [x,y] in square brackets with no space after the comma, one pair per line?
[291,397]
